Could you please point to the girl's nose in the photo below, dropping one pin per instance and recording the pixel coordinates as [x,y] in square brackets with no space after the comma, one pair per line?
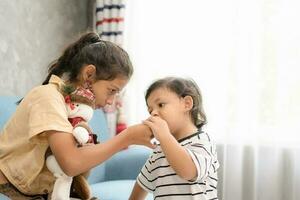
[110,100]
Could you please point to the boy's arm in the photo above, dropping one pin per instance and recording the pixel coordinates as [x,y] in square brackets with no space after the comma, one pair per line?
[179,159]
[137,193]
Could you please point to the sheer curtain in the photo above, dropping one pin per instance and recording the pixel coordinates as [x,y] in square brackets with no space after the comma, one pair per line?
[109,24]
[245,56]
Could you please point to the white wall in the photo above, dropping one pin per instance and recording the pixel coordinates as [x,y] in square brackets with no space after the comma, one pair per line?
[32,34]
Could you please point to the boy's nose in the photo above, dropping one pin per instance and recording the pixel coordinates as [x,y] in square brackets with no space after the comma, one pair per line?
[154,113]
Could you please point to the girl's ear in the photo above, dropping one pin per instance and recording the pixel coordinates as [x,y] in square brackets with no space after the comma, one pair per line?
[89,72]
[188,103]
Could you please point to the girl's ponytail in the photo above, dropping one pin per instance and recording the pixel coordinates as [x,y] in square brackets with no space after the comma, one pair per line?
[109,59]
[64,62]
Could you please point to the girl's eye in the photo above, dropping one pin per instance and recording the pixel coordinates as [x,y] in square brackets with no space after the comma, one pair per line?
[77,105]
[112,91]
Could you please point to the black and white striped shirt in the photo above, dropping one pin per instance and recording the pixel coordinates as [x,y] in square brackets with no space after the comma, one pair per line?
[158,177]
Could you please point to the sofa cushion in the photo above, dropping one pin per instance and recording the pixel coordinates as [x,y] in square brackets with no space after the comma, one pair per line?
[3,197]
[99,125]
[114,190]
[127,163]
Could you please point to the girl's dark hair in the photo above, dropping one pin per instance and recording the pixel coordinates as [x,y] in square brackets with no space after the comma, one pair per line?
[109,59]
[183,87]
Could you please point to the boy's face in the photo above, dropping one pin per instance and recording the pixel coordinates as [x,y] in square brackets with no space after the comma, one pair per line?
[105,91]
[168,106]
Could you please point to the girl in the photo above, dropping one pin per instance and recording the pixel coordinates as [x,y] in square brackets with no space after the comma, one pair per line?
[40,120]
[184,165]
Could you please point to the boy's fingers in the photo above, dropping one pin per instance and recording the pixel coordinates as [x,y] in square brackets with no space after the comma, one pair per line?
[150,145]
[148,123]
[152,118]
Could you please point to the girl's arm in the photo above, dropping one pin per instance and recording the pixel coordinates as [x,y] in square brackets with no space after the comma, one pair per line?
[74,160]
[137,193]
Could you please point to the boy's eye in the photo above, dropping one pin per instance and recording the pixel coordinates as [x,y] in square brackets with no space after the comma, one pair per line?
[77,105]
[161,105]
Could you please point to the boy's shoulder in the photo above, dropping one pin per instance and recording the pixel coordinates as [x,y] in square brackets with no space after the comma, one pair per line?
[200,135]
[201,138]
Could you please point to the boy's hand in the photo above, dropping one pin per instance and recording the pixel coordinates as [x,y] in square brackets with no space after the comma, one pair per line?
[158,126]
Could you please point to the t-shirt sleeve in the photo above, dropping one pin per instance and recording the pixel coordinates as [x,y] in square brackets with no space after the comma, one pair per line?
[47,114]
[203,156]
[145,178]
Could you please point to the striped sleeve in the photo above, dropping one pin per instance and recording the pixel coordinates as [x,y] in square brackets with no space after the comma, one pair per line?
[145,178]
[202,156]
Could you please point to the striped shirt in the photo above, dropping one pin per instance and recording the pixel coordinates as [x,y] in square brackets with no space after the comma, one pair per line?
[158,177]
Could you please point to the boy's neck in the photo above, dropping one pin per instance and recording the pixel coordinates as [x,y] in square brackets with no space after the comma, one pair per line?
[187,130]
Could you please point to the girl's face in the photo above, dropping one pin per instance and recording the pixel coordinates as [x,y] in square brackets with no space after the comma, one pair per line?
[105,90]
[171,108]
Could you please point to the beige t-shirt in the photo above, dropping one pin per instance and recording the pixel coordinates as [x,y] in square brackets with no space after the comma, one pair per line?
[22,142]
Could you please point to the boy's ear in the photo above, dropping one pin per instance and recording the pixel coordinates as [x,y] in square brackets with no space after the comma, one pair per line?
[188,103]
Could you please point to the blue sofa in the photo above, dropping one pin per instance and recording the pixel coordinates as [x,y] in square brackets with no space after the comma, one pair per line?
[113,179]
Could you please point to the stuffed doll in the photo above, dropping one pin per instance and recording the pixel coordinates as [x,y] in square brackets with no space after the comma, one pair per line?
[80,105]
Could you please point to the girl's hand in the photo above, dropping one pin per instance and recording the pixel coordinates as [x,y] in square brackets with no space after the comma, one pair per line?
[158,126]
[139,134]
[87,144]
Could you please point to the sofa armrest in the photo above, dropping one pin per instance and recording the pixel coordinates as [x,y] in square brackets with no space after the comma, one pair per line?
[127,163]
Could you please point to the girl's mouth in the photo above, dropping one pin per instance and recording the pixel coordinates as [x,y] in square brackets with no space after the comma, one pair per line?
[98,106]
